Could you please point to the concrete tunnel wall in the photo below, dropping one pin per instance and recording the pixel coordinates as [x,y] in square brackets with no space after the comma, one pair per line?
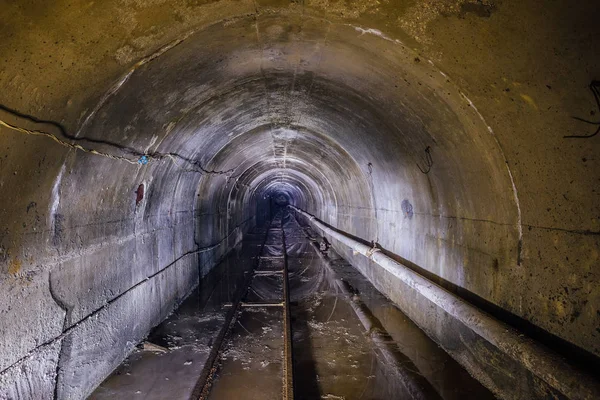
[433,129]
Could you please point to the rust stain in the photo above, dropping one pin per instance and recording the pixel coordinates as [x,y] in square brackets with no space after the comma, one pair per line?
[15,266]
[529,101]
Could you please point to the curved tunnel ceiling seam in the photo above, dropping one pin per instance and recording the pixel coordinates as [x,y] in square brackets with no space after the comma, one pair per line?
[519,225]
[262,71]
[508,170]
[291,102]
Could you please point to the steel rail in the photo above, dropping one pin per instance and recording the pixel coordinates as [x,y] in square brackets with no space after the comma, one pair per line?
[288,362]
[204,383]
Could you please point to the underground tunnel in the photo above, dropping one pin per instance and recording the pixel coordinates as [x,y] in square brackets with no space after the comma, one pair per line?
[364,199]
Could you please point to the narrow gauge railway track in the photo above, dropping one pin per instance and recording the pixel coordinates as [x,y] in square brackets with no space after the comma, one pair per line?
[271,263]
[285,318]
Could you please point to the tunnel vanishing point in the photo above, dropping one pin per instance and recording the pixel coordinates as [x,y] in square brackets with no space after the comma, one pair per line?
[446,150]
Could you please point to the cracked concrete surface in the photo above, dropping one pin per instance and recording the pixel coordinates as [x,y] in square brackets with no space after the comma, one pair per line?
[332,103]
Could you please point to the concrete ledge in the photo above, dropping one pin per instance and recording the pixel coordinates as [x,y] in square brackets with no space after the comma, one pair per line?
[510,364]
[68,362]
[98,344]
[94,347]
[29,317]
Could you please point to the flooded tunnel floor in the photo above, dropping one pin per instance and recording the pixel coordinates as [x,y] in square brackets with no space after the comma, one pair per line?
[333,355]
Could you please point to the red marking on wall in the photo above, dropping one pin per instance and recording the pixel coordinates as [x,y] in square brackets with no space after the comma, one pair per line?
[139,194]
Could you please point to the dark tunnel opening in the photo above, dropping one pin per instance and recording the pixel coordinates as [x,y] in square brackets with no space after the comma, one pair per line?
[280,199]
[310,200]
[274,200]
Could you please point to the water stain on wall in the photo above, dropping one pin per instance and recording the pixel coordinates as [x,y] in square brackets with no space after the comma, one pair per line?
[15,266]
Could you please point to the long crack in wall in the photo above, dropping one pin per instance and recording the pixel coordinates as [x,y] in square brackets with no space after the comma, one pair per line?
[435,132]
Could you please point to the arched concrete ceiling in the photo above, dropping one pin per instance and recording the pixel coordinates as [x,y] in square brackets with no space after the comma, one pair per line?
[433,128]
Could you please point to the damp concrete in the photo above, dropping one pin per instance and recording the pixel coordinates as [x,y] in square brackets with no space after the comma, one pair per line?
[141,139]
[333,355]
[181,344]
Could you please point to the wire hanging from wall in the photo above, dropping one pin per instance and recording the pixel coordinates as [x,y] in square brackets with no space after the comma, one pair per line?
[595,88]
[428,161]
[64,143]
[140,157]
